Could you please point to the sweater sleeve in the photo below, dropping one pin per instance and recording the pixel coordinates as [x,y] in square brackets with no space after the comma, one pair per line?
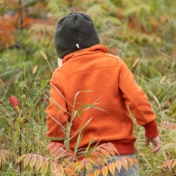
[137,101]
[56,113]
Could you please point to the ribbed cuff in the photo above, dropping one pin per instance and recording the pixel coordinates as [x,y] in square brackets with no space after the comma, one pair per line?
[151,130]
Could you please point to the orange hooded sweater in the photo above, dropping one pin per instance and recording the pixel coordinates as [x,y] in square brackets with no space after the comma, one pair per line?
[114,89]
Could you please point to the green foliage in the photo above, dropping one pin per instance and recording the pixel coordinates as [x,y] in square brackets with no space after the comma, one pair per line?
[131,29]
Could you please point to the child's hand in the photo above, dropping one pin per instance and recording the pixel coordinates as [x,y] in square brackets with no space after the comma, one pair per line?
[155,142]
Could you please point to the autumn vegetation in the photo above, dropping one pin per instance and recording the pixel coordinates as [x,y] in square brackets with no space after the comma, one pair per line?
[142,33]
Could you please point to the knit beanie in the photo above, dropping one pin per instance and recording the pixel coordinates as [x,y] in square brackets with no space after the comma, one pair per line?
[74,32]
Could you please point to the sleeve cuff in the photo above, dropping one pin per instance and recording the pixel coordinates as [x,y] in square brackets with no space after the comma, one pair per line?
[151,130]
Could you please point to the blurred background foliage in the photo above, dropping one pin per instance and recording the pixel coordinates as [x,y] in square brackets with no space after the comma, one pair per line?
[131,29]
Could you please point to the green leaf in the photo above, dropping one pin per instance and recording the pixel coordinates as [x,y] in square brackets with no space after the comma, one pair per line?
[27,159]
[80,130]
[78,142]
[39,162]
[53,167]
[44,166]
[33,160]
[55,138]
[88,166]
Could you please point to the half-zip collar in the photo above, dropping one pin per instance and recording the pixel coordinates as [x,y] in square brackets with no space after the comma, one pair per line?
[86,51]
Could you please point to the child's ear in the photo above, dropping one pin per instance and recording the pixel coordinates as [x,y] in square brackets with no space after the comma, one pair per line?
[59,62]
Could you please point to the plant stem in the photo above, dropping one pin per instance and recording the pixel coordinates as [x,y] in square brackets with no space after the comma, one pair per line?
[50,66]
[20,139]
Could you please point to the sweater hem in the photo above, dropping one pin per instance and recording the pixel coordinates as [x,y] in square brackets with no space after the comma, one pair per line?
[124,147]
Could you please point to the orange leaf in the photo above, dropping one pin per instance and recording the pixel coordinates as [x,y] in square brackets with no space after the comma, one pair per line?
[91,161]
[118,165]
[80,165]
[60,169]
[97,172]
[130,162]
[88,166]
[124,163]
[109,150]
[135,161]
[27,22]
[70,152]
[105,153]
[111,167]
[111,145]
[7,31]
[50,145]
[174,163]
[105,170]
[59,154]
[53,148]
[69,171]
[168,163]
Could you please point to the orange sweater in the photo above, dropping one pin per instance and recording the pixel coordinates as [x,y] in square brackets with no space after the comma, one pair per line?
[114,87]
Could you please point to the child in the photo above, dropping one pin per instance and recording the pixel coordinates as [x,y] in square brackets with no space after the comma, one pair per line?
[88,65]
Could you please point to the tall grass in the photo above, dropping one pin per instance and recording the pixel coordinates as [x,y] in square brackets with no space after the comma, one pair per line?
[143,29]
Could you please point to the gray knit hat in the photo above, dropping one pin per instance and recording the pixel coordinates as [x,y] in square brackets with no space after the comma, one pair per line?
[75,31]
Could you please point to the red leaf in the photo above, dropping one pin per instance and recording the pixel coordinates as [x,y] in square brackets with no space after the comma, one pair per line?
[14,101]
